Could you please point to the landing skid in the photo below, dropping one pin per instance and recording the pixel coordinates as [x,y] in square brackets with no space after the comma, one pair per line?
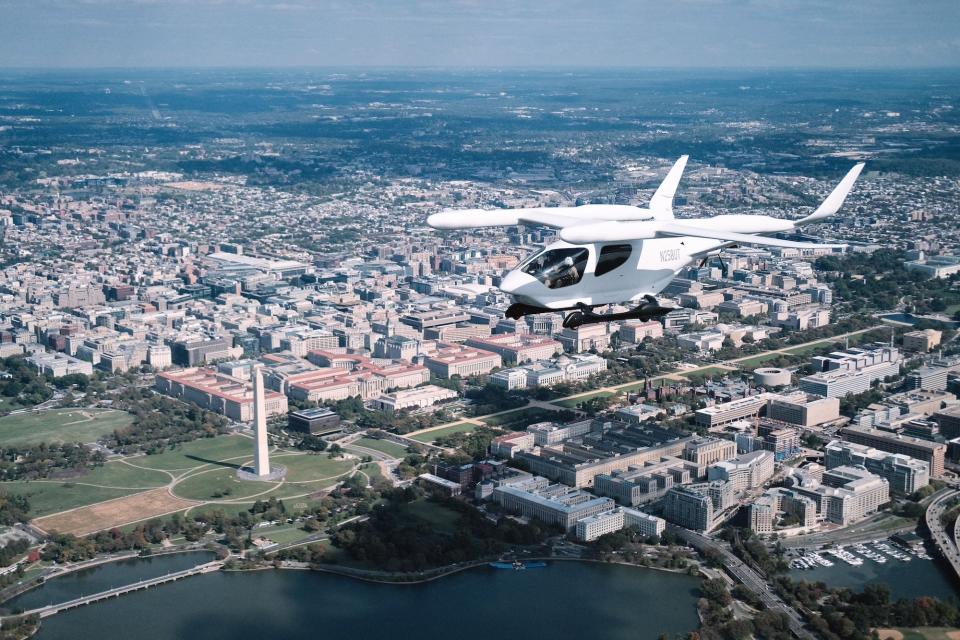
[583,314]
[646,311]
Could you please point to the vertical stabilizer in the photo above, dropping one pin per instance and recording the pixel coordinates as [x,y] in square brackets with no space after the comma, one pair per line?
[661,204]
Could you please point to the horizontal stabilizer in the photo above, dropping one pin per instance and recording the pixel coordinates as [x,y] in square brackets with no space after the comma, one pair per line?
[835,200]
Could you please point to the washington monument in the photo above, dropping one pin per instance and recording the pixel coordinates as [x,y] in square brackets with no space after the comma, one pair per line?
[261,455]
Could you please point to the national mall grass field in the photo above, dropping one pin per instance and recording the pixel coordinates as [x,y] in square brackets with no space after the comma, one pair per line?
[60,425]
[194,475]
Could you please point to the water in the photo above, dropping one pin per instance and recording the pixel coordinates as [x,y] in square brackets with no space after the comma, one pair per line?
[905,579]
[909,318]
[106,576]
[565,599]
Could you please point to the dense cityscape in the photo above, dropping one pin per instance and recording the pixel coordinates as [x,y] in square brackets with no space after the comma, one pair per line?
[230,342]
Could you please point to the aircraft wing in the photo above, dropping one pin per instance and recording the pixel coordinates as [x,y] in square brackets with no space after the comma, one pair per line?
[678,230]
[835,200]
[477,218]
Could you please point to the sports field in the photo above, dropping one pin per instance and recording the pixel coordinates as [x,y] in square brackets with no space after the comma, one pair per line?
[61,425]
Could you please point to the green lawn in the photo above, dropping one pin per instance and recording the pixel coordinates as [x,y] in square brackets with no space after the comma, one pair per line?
[305,474]
[116,480]
[118,474]
[521,418]
[200,452]
[430,436]
[383,446]
[709,371]
[439,517]
[572,403]
[311,468]
[61,425]
[220,483]
[52,497]
[759,359]
[637,386]
[283,534]
[807,349]
[372,469]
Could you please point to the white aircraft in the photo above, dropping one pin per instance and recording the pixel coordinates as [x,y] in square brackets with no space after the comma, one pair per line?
[612,254]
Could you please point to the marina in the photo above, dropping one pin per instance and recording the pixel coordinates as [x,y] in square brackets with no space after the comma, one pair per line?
[878,551]
[907,573]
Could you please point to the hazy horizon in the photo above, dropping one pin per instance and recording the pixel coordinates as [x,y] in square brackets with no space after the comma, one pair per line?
[479,34]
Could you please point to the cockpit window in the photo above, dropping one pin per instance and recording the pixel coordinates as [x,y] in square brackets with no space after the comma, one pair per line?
[611,257]
[558,268]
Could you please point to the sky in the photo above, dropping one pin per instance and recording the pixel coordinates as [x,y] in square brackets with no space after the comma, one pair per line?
[480,33]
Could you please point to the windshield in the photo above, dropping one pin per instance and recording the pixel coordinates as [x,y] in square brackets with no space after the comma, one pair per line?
[558,268]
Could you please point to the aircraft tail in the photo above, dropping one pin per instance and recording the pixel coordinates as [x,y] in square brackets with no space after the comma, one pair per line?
[661,204]
[835,200]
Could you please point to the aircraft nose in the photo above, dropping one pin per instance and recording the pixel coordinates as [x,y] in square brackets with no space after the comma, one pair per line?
[514,280]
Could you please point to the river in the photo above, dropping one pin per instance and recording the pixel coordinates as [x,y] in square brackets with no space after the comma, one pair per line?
[564,599]
[905,579]
[106,576]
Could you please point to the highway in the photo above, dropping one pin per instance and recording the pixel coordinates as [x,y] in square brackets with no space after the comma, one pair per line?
[747,576]
[946,544]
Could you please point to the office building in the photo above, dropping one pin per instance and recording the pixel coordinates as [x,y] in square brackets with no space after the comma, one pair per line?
[733,411]
[636,331]
[417,398]
[518,347]
[706,450]
[761,515]
[647,524]
[688,508]
[851,371]
[228,396]
[933,453]
[585,338]
[555,504]
[455,360]
[199,350]
[905,474]
[845,495]
[550,433]
[506,446]
[58,365]
[803,410]
[639,484]
[949,421]
[592,527]
[747,471]
[922,341]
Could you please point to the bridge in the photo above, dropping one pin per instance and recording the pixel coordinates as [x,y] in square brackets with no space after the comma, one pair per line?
[53,609]
[946,544]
